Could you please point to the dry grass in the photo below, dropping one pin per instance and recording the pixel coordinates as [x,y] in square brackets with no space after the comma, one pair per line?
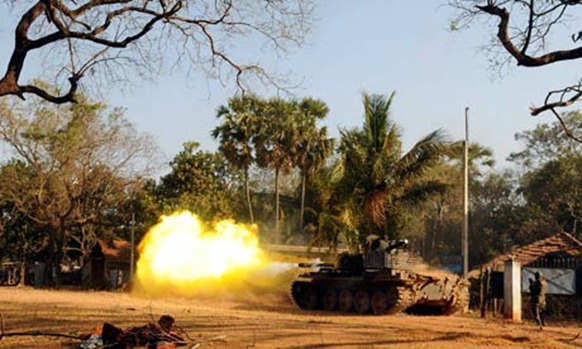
[259,321]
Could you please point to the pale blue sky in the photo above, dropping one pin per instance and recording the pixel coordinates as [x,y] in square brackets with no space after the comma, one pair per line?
[376,46]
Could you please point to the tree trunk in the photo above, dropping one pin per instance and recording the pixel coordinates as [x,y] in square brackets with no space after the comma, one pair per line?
[277,206]
[302,210]
[435,232]
[22,271]
[55,256]
[249,201]
[57,268]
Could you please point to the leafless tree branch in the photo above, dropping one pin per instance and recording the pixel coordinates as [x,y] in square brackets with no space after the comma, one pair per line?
[96,31]
[524,30]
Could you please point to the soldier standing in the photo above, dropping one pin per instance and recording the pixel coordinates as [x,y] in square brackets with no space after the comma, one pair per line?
[537,289]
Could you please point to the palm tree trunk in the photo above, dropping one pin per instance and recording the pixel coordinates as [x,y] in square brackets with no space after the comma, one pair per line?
[248,191]
[277,206]
[436,230]
[301,212]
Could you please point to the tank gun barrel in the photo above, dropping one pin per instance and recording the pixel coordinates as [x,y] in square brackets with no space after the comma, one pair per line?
[315,265]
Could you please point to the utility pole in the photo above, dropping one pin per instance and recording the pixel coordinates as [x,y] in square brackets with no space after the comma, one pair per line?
[465,234]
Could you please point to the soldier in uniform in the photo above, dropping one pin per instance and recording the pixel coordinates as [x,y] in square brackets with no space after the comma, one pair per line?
[537,289]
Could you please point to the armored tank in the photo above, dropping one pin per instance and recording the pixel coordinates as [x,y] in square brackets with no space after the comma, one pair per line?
[384,279]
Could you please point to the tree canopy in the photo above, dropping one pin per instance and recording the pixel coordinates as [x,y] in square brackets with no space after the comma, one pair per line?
[69,168]
[80,172]
[379,183]
[200,181]
[551,168]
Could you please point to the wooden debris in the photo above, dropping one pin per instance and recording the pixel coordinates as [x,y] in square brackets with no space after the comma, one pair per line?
[163,334]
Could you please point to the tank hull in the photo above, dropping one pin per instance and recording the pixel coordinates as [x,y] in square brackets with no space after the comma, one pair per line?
[380,292]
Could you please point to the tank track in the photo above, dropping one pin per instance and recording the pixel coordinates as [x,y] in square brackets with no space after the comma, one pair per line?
[404,298]
[381,302]
[459,302]
[296,292]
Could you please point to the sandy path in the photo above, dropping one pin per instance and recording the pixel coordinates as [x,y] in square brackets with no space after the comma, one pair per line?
[266,321]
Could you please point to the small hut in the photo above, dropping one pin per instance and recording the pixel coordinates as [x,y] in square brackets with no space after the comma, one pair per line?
[109,265]
[559,259]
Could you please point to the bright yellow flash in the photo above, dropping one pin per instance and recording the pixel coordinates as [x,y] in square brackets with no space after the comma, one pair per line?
[183,255]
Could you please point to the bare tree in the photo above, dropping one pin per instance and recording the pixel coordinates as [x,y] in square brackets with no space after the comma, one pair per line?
[109,38]
[534,33]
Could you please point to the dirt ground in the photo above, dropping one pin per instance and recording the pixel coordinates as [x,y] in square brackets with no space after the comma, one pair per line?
[263,321]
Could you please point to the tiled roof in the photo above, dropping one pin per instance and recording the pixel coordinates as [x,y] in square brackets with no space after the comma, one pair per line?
[116,251]
[561,242]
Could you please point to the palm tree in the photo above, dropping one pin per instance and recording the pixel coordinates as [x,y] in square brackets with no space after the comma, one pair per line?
[379,183]
[314,147]
[480,157]
[275,143]
[236,134]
